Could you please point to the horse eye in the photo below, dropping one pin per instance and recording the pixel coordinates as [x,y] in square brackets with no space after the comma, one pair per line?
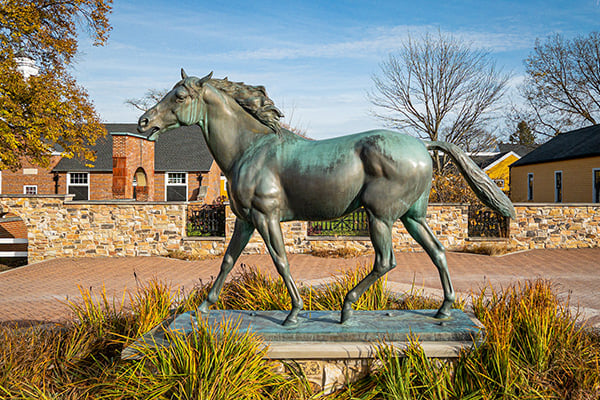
[180,93]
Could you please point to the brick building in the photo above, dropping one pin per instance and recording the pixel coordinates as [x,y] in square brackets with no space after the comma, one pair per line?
[178,167]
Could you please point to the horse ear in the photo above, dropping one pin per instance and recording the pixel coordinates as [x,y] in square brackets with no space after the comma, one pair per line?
[183,74]
[205,79]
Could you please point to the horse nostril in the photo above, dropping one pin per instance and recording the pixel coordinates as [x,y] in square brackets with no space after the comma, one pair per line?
[144,122]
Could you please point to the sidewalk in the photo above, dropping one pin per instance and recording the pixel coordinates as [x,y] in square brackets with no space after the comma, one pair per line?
[37,292]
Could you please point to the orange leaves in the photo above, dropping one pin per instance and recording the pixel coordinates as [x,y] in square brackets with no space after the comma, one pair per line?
[48,111]
[450,187]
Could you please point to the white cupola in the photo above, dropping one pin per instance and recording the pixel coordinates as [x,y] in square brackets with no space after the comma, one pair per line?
[26,65]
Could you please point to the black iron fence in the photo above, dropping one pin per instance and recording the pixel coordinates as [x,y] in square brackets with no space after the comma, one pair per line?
[484,222]
[208,220]
[353,224]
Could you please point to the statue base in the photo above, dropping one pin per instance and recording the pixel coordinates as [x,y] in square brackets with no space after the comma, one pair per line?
[333,354]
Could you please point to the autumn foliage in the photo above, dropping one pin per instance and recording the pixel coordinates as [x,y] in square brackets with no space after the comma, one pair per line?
[48,111]
[451,187]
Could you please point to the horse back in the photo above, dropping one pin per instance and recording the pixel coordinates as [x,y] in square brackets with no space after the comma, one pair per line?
[326,179]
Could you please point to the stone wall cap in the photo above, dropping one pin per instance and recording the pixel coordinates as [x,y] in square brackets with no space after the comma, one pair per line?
[37,196]
[127,202]
[556,204]
[203,238]
[334,238]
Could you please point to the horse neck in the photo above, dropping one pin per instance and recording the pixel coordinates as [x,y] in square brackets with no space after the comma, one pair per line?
[228,129]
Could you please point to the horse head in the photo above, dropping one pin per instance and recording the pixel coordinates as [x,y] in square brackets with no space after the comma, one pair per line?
[183,105]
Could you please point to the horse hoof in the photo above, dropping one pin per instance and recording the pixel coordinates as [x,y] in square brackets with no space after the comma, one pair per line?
[441,314]
[203,309]
[290,321]
[346,314]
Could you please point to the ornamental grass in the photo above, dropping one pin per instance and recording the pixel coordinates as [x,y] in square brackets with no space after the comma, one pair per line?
[534,348]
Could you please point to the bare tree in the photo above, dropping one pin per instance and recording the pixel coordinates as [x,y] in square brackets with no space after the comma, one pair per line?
[151,97]
[439,88]
[562,88]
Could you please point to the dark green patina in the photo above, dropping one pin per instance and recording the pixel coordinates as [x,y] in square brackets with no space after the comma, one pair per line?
[274,175]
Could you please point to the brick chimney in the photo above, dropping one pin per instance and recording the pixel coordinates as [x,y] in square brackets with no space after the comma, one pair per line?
[133,167]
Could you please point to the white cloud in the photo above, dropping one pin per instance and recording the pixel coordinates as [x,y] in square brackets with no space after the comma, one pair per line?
[378,41]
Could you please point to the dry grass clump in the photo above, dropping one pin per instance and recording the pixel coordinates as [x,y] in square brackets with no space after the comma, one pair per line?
[488,249]
[191,256]
[339,252]
[533,349]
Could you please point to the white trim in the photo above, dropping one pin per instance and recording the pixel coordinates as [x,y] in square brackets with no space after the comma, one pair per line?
[593,174]
[562,185]
[502,159]
[13,241]
[79,184]
[13,254]
[186,183]
[30,186]
[482,153]
[530,193]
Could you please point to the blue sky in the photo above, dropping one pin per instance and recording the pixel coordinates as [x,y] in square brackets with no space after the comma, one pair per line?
[316,58]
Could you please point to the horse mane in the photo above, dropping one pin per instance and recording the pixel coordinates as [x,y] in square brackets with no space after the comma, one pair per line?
[253,99]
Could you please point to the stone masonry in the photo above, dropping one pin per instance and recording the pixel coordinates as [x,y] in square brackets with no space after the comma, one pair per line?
[59,227]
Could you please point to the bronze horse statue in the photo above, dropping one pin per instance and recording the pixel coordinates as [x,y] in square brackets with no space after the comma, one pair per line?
[275,175]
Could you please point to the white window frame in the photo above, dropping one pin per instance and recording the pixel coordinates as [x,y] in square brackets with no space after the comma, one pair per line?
[530,187]
[594,194]
[25,187]
[562,185]
[69,184]
[167,184]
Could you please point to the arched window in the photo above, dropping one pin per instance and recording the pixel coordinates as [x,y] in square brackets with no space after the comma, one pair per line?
[140,185]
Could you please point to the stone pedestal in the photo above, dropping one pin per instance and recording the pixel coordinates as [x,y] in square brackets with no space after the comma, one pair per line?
[333,354]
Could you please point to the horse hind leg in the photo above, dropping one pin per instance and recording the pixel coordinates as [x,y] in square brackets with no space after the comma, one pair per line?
[381,237]
[416,225]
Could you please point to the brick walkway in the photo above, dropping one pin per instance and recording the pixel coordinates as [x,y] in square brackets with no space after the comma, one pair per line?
[38,292]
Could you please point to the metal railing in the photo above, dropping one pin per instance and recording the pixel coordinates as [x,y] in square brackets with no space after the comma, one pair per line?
[354,224]
[208,220]
[486,223]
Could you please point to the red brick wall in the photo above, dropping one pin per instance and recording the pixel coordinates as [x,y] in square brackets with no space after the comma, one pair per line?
[159,186]
[100,186]
[14,182]
[212,179]
[12,226]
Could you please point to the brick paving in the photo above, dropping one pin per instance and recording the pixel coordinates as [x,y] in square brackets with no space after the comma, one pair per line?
[38,292]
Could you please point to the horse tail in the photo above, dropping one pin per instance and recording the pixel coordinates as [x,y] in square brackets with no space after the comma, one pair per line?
[485,189]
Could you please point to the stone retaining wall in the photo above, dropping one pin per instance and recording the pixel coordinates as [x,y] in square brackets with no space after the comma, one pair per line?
[59,227]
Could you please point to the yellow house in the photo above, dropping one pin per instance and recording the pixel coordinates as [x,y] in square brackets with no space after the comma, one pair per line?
[566,169]
[498,169]
[496,164]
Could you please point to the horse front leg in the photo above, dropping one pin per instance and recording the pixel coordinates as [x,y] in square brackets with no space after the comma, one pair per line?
[381,237]
[242,232]
[270,229]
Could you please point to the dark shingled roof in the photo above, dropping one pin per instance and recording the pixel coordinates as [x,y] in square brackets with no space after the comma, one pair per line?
[182,149]
[584,142]
[484,161]
[520,149]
